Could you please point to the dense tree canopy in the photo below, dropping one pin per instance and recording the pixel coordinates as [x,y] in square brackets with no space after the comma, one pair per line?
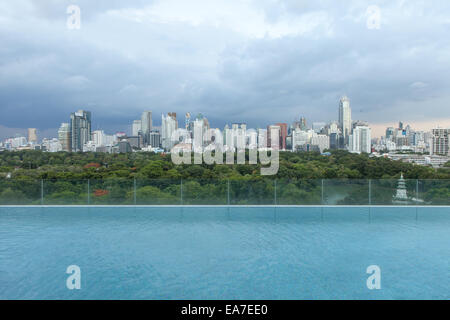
[148,178]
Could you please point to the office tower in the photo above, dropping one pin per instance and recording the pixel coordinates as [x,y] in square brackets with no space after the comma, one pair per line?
[283,135]
[322,141]
[169,125]
[273,131]
[360,140]
[440,142]
[303,123]
[32,136]
[173,115]
[124,146]
[146,126]
[187,121]
[345,117]
[137,127]
[146,122]
[155,139]
[64,137]
[390,133]
[80,129]
[334,141]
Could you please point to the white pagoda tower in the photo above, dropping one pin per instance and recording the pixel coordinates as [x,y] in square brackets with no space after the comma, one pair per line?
[401,197]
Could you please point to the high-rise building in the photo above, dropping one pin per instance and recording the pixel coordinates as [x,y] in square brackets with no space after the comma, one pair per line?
[273,131]
[146,121]
[283,135]
[32,136]
[187,121]
[64,137]
[440,142]
[390,133]
[303,123]
[345,117]
[155,139]
[80,128]
[137,127]
[146,126]
[360,140]
[322,141]
[169,125]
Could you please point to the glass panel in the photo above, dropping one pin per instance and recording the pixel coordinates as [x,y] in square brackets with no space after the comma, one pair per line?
[65,192]
[435,192]
[252,192]
[205,192]
[111,192]
[158,192]
[20,192]
[346,192]
[299,192]
[262,191]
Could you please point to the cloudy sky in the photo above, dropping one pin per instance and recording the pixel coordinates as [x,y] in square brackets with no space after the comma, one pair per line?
[254,61]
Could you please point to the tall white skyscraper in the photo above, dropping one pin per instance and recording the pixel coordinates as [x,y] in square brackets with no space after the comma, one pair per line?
[146,122]
[345,117]
[32,136]
[64,137]
[440,143]
[360,140]
[137,127]
[168,126]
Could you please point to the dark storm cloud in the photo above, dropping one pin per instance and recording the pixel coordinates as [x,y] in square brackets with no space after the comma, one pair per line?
[259,62]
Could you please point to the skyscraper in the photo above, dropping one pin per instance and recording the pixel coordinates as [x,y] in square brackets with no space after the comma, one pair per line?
[137,127]
[187,121]
[146,122]
[146,126]
[64,137]
[345,118]
[303,123]
[168,126]
[32,136]
[360,140]
[440,142]
[80,129]
[283,135]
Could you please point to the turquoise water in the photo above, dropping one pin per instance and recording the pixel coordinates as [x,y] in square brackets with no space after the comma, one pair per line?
[225,253]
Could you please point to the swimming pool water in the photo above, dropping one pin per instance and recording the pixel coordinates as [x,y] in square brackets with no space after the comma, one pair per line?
[224,253]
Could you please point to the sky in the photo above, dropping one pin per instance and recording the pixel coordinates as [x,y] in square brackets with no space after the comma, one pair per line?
[253,61]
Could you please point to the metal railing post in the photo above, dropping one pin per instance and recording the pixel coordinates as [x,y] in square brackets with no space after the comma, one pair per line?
[417,190]
[275,192]
[181,191]
[134,192]
[89,191]
[322,194]
[370,192]
[228,192]
[42,191]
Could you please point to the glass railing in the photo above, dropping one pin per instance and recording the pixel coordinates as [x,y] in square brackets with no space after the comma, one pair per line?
[260,191]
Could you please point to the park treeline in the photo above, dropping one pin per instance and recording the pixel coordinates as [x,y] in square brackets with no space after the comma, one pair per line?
[33,177]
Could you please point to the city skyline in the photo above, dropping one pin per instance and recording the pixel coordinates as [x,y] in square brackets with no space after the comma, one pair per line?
[378,129]
[257,65]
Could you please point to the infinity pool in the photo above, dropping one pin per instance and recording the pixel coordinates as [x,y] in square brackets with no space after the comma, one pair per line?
[224,253]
